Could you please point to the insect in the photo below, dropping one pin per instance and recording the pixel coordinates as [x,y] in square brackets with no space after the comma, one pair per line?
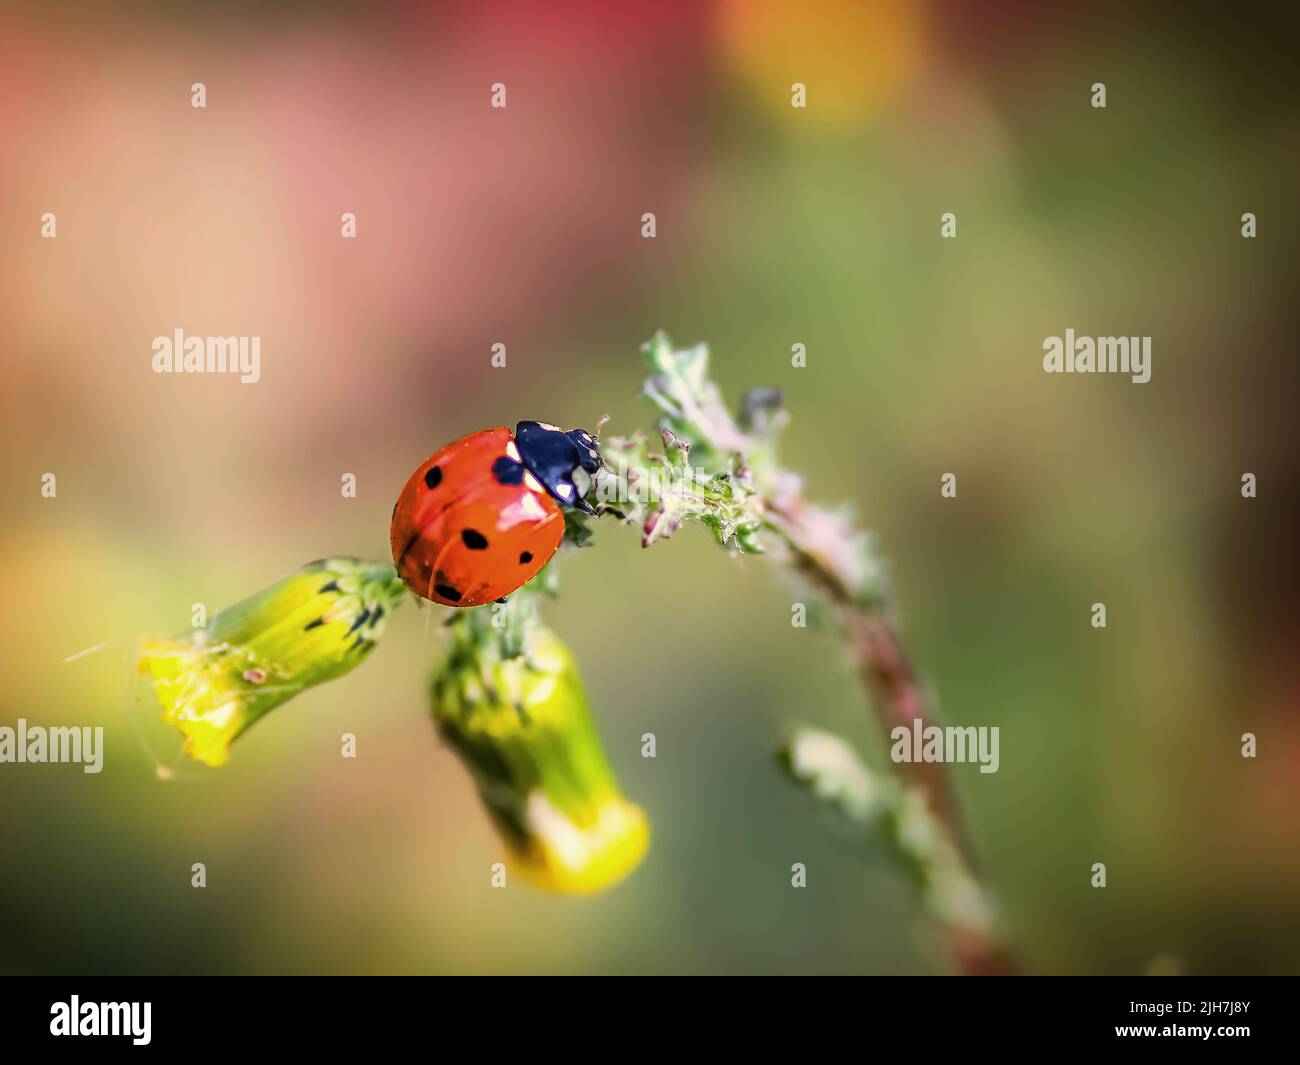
[481,517]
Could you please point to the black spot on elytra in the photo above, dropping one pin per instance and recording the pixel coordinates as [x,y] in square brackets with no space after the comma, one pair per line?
[445,588]
[433,476]
[508,471]
[473,539]
[525,557]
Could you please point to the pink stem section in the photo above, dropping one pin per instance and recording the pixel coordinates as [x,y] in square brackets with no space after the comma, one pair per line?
[897,696]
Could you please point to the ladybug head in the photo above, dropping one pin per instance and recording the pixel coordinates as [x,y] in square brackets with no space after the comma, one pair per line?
[555,456]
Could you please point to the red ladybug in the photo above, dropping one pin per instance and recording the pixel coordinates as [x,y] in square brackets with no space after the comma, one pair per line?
[481,517]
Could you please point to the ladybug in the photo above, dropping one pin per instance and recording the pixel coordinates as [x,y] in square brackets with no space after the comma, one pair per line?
[481,517]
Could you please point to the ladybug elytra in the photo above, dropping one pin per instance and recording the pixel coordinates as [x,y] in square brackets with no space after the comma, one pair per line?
[481,517]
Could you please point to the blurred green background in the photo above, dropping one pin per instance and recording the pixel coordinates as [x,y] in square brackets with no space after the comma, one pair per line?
[775,226]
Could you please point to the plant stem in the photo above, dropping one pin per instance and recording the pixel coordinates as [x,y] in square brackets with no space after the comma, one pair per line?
[896,693]
[741,493]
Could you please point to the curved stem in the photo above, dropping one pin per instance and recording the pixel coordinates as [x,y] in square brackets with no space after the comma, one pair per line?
[897,696]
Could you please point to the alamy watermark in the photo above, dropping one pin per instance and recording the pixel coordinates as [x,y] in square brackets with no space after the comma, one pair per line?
[181,354]
[649,484]
[1071,354]
[932,743]
[35,743]
[103,1018]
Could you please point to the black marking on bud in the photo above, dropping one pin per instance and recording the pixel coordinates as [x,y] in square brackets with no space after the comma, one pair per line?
[313,624]
[333,586]
[357,622]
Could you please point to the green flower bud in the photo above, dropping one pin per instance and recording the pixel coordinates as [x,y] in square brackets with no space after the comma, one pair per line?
[522,726]
[214,683]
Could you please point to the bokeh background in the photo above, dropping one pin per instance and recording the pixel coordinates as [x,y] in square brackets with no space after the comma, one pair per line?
[775,226]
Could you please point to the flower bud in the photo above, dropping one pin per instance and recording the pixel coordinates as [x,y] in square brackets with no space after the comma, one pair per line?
[522,726]
[214,683]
